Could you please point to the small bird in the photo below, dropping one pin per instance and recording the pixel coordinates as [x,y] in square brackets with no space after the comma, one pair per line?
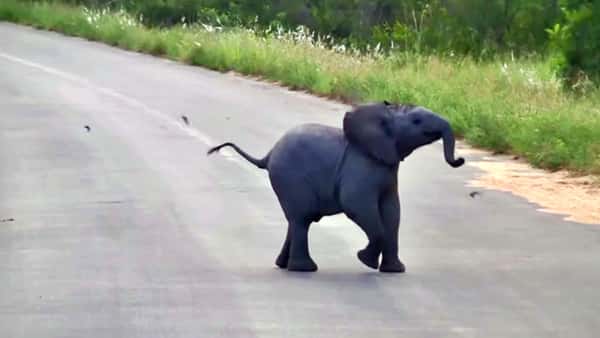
[87,128]
[7,220]
[474,193]
[185,119]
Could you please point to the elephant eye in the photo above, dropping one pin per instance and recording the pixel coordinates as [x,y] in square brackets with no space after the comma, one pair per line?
[416,121]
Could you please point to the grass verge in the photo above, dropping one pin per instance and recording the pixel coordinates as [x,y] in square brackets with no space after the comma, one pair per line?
[507,105]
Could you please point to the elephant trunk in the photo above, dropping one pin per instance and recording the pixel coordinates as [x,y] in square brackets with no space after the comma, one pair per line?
[448,138]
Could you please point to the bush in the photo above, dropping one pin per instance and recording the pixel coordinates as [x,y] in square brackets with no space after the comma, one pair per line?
[474,27]
[576,42]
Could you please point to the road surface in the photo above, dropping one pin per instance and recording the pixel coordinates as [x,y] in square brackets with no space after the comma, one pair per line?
[129,230]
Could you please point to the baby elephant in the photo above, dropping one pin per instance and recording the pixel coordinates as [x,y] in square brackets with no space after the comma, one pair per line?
[317,170]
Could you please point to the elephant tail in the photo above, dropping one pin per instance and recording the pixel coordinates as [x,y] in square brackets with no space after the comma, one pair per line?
[260,163]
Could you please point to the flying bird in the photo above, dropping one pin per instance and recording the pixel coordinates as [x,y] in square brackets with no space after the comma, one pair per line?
[87,128]
[185,119]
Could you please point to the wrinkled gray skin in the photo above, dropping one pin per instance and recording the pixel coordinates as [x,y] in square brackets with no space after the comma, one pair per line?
[317,170]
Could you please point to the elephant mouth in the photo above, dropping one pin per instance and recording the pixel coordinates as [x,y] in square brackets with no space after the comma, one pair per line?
[433,134]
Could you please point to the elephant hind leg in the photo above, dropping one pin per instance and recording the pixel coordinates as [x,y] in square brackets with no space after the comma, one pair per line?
[299,255]
[299,203]
[284,255]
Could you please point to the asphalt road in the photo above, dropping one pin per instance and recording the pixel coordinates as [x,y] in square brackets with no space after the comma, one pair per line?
[129,230]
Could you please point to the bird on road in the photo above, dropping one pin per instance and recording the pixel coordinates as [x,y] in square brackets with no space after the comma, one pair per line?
[474,193]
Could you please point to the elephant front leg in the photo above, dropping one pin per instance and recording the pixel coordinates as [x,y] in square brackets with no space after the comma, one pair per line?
[366,216]
[390,214]
[369,256]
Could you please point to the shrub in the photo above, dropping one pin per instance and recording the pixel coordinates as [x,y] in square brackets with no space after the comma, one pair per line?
[576,42]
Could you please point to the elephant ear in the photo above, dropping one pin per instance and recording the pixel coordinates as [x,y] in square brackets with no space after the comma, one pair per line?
[369,128]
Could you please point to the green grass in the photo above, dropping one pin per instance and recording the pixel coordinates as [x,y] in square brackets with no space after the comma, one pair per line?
[514,106]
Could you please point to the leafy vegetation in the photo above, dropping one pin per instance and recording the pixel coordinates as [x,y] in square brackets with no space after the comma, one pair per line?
[569,29]
[504,103]
[462,26]
[577,41]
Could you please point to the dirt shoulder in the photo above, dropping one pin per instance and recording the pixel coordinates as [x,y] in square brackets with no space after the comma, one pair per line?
[577,198]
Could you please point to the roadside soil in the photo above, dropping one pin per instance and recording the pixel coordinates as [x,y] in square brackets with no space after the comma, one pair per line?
[577,198]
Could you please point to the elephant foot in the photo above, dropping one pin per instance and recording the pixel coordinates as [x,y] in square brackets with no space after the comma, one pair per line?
[395,266]
[368,258]
[306,265]
[282,262]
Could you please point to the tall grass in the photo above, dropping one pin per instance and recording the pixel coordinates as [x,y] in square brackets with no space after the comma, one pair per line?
[508,105]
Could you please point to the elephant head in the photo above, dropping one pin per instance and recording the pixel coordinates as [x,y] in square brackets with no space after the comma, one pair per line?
[389,132]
